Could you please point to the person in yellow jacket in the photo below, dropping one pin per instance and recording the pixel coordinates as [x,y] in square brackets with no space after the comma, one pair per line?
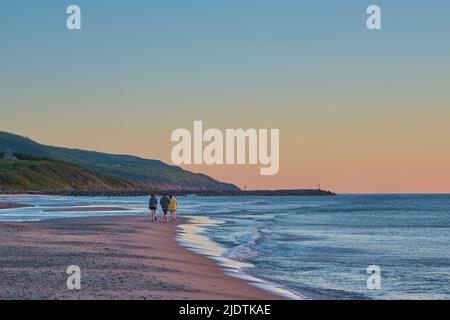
[173,207]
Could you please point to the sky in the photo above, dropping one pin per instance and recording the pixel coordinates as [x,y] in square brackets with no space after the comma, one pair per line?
[358,111]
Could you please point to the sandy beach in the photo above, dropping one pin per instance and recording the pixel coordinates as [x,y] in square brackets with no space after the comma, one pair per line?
[119,257]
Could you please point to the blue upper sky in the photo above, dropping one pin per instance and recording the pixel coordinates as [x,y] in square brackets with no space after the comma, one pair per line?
[148,67]
[213,36]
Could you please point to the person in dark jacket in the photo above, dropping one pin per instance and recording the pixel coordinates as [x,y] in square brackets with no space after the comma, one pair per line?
[153,206]
[164,202]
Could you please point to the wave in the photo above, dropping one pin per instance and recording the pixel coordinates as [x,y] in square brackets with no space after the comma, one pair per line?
[246,250]
[291,237]
[256,202]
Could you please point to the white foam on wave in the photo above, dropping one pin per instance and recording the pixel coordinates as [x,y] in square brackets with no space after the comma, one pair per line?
[191,236]
[246,250]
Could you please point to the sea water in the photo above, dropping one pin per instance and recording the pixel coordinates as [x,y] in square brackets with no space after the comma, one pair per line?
[310,247]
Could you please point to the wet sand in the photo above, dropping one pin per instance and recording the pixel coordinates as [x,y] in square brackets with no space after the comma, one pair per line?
[86,209]
[12,205]
[119,257]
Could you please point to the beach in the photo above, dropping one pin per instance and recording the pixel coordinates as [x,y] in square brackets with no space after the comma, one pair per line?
[295,247]
[119,257]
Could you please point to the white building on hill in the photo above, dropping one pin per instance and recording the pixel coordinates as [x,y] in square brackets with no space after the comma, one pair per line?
[8,155]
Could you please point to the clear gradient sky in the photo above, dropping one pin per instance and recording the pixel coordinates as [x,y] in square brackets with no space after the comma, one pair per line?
[359,111]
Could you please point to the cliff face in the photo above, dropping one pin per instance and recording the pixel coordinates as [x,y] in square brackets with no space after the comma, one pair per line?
[151,174]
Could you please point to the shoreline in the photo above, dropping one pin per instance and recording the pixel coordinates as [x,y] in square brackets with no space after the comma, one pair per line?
[191,236]
[128,258]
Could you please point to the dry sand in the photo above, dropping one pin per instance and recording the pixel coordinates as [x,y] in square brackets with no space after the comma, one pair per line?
[119,257]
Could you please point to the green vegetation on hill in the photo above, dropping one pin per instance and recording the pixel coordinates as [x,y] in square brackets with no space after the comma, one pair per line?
[151,174]
[51,175]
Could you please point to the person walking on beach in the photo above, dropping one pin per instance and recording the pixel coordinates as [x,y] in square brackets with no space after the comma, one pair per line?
[173,206]
[164,202]
[153,206]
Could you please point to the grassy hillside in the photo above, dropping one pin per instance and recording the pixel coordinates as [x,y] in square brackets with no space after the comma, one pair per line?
[51,175]
[151,173]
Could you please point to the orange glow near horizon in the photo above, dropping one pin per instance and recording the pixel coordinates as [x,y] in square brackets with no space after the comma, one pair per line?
[388,162]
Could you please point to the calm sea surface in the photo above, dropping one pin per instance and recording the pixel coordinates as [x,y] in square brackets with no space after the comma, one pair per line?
[313,247]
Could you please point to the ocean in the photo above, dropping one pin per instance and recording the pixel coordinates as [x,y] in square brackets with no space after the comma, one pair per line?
[305,247]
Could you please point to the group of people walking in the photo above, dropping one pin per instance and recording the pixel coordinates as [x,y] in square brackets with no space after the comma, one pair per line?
[168,204]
